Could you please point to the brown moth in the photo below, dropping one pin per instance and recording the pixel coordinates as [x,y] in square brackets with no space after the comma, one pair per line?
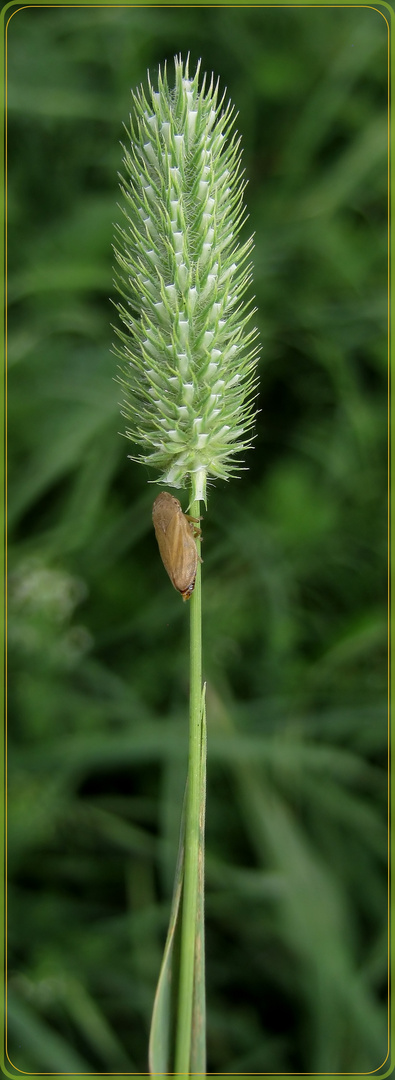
[175,534]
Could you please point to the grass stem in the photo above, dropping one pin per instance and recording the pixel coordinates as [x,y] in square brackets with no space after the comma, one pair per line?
[192,831]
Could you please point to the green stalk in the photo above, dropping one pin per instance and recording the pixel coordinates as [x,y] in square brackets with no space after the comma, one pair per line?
[192,830]
[188,376]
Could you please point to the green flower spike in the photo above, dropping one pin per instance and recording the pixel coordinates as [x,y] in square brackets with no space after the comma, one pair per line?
[188,358]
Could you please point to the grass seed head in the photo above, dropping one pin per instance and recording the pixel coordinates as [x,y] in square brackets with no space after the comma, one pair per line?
[188,354]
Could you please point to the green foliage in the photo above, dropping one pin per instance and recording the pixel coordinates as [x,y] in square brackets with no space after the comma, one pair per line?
[294,595]
[168,1023]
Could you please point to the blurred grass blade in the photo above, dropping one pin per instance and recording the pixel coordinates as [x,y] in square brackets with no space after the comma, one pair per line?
[165,1010]
[198,1046]
[90,1020]
[39,1041]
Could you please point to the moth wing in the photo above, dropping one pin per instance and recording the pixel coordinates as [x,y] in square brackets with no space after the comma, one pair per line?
[182,553]
[164,509]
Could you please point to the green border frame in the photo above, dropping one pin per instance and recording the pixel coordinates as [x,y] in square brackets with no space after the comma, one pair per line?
[8,10]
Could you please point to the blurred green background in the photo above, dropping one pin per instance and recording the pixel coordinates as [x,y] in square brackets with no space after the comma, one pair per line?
[294,565]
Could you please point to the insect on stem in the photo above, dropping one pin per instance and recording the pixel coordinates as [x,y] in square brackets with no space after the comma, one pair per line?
[176,533]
